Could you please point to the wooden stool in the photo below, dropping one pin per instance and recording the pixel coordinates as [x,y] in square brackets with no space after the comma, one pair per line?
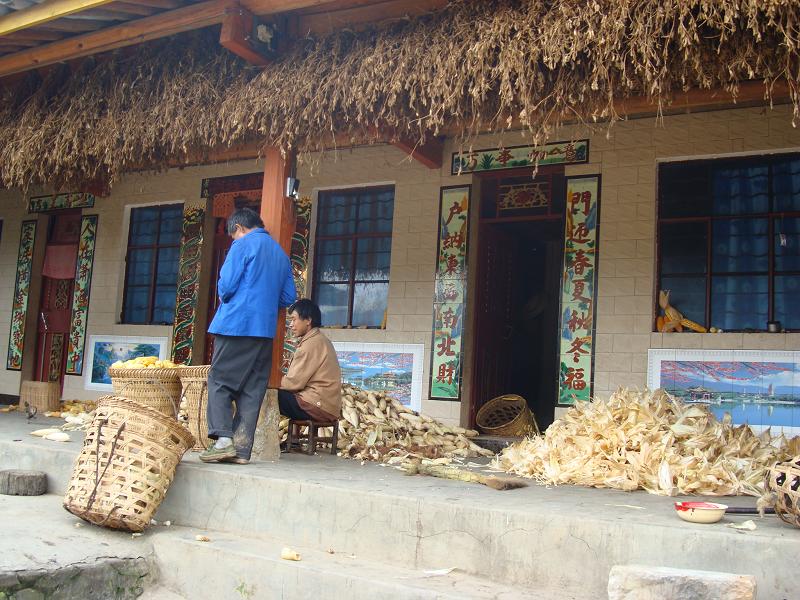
[295,438]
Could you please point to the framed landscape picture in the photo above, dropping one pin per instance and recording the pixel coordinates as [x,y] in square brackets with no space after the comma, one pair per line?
[105,350]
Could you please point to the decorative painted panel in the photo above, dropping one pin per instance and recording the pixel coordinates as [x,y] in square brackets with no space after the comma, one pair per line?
[188,289]
[578,290]
[299,260]
[395,369]
[19,306]
[493,159]
[451,283]
[760,388]
[60,202]
[80,295]
[105,350]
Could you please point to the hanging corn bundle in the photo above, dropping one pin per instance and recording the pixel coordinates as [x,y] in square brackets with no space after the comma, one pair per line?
[650,441]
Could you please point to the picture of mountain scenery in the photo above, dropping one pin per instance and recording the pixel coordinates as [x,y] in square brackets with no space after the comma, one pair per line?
[756,393]
[389,372]
[106,353]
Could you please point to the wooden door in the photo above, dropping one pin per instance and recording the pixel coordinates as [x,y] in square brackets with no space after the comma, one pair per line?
[55,308]
[493,316]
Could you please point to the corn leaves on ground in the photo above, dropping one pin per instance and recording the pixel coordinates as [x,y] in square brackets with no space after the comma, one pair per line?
[650,441]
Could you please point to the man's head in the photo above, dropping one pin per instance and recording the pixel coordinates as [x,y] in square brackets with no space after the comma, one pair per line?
[304,315]
[242,221]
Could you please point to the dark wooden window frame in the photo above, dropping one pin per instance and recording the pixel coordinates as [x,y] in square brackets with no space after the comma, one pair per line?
[156,247]
[770,216]
[351,281]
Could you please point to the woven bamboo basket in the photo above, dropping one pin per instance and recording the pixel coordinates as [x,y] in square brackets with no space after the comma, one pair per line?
[127,463]
[42,395]
[507,415]
[784,480]
[157,388]
[194,381]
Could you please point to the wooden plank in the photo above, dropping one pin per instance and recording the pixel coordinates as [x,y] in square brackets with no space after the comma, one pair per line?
[235,36]
[162,4]
[44,12]
[70,25]
[132,8]
[277,212]
[33,35]
[164,24]
[321,23]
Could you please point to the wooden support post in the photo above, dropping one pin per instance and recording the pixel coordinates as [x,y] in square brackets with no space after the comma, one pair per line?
[278,214]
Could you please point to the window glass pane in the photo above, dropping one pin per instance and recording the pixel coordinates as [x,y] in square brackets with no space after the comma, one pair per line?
[171,223]
[143,226]
[167,266]
[332,299]
[739,302]
[164,307]
[137,300]
[140,267]
[740,245]
[684,247]
[684,190]
[688,295]
[786,184]
[372,258]
[787,289]
[369,304]
[740,190]
[334,260]
[337,215]
[375,210]
[787,244]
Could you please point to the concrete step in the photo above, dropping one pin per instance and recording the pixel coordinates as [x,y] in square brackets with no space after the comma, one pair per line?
[236,567]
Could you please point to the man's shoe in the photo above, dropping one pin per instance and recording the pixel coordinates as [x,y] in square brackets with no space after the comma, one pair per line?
[214,454]
[236,460]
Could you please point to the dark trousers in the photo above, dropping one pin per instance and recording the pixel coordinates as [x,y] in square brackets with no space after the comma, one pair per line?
[290,407]
[239,372]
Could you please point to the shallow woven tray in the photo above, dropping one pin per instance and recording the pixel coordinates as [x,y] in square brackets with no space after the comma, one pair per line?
[784,480]
[157,388]
[507,415]
[127,463]
[194,381]
[42,395]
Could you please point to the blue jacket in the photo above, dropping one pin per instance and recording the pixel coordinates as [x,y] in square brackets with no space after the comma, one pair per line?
[255,280]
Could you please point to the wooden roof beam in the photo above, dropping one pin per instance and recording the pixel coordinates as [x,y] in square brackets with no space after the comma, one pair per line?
[48,10]
[429,154]
[194,16]
[235,36]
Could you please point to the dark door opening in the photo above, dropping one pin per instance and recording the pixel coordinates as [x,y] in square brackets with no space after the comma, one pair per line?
[517,291]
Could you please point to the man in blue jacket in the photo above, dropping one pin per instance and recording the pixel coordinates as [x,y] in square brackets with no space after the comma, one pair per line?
[254,282]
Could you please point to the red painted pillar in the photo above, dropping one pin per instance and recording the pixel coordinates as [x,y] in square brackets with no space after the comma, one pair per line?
[277,212]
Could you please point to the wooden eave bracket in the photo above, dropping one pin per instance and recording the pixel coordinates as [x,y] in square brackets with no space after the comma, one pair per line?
[237,28]
[430,154]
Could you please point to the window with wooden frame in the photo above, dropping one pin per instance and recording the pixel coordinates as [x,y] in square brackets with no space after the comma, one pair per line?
[151,265]
[729,240]
[352,254]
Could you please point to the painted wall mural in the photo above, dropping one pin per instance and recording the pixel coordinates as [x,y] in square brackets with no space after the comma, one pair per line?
[60,202]
[755,387]
[80,295]
[493,159]
[105,350]
[395,369]
[450,293]
[19,306]
[578,289]
[299,260]
[188,284]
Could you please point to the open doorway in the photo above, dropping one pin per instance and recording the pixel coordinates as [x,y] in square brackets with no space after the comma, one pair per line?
[517,294]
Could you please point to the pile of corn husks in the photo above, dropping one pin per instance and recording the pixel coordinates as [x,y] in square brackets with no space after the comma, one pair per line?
[651,441]
[375,426]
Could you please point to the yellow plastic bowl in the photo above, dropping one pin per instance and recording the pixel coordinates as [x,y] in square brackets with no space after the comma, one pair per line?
[700,512]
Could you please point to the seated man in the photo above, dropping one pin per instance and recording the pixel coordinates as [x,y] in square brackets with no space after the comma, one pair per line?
[312,387]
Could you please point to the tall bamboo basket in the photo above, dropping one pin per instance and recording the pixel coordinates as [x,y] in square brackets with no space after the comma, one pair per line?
[194,381]
[157,388]
[127,463]
[507,415]
[42,395]
[784,480]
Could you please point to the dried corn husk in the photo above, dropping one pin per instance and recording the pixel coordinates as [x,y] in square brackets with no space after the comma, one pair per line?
[650,441]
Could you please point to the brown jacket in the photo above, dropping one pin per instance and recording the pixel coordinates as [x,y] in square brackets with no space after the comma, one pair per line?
[315,377]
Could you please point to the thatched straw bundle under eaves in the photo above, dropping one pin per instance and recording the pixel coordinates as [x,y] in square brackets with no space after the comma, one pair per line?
[480,64]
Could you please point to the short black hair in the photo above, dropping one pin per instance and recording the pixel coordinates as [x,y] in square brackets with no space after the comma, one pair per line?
[307,309]
[246,217]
